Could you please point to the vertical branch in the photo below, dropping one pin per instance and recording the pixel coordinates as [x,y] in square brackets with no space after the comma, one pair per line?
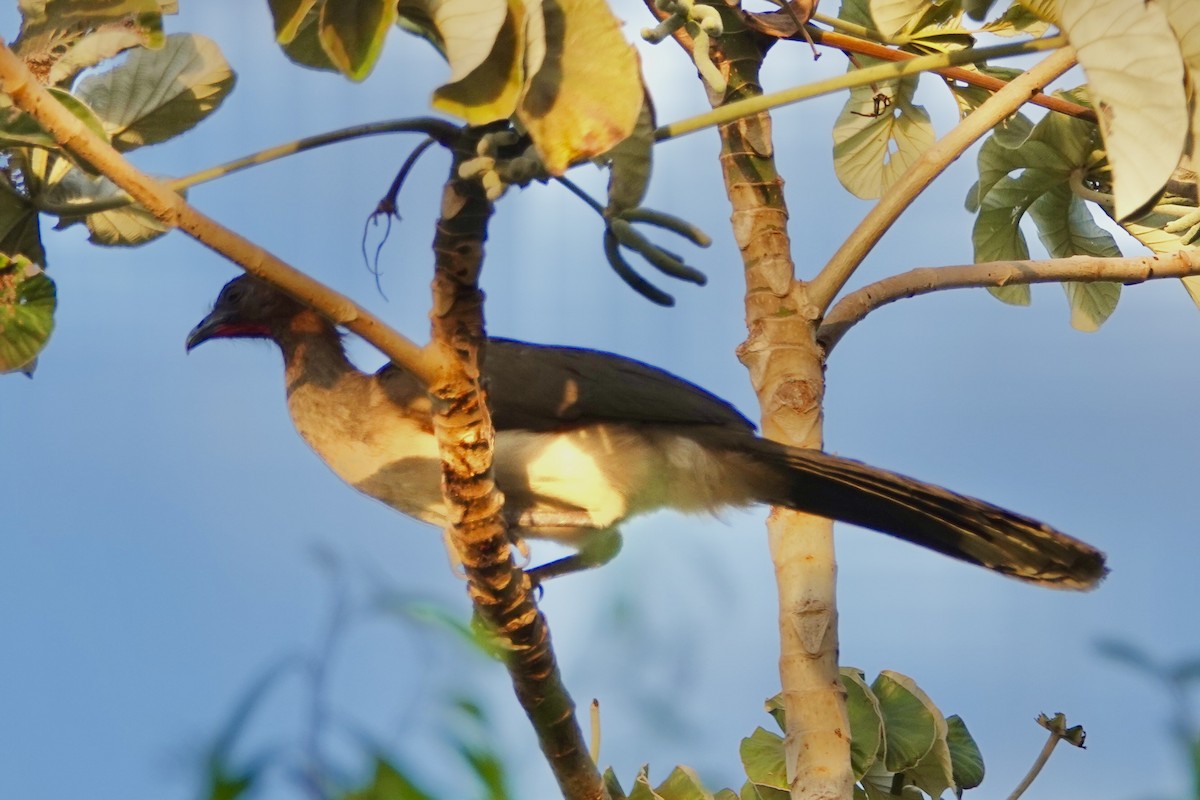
[786,368]
[500,591]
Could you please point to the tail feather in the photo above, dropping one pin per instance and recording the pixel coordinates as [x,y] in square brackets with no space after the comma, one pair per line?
[958,526]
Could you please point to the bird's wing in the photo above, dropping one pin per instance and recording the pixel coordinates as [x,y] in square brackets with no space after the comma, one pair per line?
[538,387]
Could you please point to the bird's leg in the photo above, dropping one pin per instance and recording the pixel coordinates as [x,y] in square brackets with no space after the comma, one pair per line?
[596,548]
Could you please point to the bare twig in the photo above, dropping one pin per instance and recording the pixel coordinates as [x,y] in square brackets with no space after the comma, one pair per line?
[900,195]
[1084,269]
[1057,725]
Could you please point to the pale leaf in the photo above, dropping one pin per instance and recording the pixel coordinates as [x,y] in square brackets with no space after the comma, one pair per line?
[1135,73]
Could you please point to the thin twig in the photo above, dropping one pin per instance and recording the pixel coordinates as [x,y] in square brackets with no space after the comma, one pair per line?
[436,129]
[900,195]
[1083,269]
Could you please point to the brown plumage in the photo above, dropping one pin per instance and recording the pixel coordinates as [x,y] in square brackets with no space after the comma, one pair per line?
[586,439]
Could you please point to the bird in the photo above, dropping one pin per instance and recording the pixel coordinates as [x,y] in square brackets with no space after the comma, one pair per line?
[587,439]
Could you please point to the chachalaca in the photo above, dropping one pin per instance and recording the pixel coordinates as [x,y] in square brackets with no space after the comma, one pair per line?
[586,439]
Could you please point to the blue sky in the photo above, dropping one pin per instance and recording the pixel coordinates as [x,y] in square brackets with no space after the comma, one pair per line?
[166,530]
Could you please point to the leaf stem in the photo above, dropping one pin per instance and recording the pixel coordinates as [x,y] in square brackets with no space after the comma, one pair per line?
[1038,763]
[437,129]
[882,72]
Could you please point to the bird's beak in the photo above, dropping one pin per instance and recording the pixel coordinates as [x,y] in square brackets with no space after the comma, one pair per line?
[221,325]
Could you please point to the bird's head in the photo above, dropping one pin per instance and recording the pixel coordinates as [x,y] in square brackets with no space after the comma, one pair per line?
[246,308]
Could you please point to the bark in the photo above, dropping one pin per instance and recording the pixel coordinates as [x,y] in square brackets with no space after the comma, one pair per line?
[499,589]
[786,368]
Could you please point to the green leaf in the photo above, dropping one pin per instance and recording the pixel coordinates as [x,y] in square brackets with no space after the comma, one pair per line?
[964,754]
[683,784]
[1010,132]
[774,707]
[490,92]
[388,783]
[874,142]
[27,303]
[352,33]
[18,128]
[912,723]
[866,722]
[158,94]
[20,234]
[1066,228]
[586,99]
[305,46]
[764,760]
[1135,72]
[1091,303]
[288,15]
[613,785]
[641,786]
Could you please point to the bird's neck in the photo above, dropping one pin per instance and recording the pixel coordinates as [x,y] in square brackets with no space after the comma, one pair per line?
[312,352]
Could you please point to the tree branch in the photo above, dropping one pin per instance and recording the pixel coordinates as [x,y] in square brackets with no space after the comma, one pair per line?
[171,210]
[1084,269]
[499,589]
[900,195]
[779,24]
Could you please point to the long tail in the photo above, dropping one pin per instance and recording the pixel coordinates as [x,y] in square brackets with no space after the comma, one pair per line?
[958,526]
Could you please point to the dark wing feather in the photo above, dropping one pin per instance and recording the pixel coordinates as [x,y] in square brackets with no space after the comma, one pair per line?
[538,387]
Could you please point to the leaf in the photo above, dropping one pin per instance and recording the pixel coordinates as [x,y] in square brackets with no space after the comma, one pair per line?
[1010,132]
[27,303]
[964,754]
[158,94]
[871,150]
[1042,9]
[891,16]
[20,234]
[305,46]
[763,759]
[491,91]
[587,94]
[641,786]
[50,27]
[352,33]
[1018,20]
[288,15]
[866,722]
[1135,73]
[1066,228]
[1184,19]
[683,784]
[912,723]
[124,226]
[17,127]
[101,45]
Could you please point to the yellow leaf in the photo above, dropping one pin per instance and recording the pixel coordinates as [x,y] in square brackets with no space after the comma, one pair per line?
[587,94]
[488,92]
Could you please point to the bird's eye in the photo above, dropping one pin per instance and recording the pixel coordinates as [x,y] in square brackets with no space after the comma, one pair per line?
[233,295]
